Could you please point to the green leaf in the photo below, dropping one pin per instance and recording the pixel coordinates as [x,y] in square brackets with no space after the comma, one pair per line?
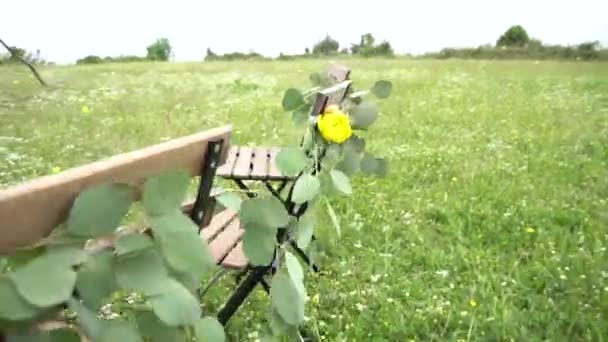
[315,78]
[295,272]
[286,299]
[29,336]
[176,306]
[87,320]
[291,161]
[355,144]
[64,335]
[56,287]
[300,116]
[151,327]
[278,326]
[306,188]
[350,163]
[165,192]
[132,243]
[99,210]
[12,306]
[265,211]
[143,271]
[67,254]
[258,244]
[341,181]
[292,99]
[181,245]
[230,200]
[382,89]
[208,329]
[363,115]
[374,166]
[308,141]
[120,331]
[305,230]
[96,281]
[334,218]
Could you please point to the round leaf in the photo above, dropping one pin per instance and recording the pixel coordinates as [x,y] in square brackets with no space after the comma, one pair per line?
[132,243]
[208,329]
[374,166]
[120,331]
[12,306]
[291,161]
[259,244]
[350,163]
[267,212]
[165,192]
[363,115]
[300,116]
[181,244]
[87,320]
[382,89]
[143,271]
[176,306]
[230,200]
[151,327]
[286,299]
[334,218]
[305,230]
[341,181]
[57,287]
[95,281]
[306,188]
[292,99]
[99,210]
[295,272]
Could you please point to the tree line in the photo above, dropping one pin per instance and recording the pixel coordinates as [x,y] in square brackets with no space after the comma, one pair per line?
[514,43]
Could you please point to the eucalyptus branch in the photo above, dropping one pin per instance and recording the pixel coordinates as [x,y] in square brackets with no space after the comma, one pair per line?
[22,60]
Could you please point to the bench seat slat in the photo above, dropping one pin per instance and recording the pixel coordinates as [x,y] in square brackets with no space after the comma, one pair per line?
[260,163]
[218,223]
[226,240]
[236,258]
[242,167]
[226,169]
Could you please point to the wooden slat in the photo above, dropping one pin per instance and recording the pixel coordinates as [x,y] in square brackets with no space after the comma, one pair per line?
[338,72]
[228,166]
[29,211]
[332,95]
[236,258]
[226,240]
[260,163]
[273,170]
[242,167]
[217,224]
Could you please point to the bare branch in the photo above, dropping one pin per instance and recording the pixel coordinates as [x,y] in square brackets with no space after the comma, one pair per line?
[29,65]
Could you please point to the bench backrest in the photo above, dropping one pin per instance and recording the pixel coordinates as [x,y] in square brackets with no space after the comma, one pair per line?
[339,75]
[29,211]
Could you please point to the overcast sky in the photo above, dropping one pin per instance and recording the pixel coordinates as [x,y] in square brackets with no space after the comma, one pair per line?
[65,30]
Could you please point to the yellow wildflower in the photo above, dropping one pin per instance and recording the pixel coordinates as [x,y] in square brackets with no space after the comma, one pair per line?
[85,109]
[454,179]
[472,303]
[16,82]
[530,230]
[315,299]
[56,169]
[334,125]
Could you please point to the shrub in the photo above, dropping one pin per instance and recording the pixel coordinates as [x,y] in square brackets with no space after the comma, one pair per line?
[515,36]
[90,59]
[159,50]
[327,46]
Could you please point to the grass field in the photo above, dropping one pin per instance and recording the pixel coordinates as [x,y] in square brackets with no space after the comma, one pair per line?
[493,222]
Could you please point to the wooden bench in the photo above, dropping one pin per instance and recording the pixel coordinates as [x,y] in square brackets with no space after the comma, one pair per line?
[31,210]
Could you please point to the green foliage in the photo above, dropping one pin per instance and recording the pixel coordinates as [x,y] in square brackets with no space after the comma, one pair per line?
[99,210]
[515,36]
[90,59]
[292,99]
[291,161]
[160,50]
[367,48]
[327,46]
[306,188]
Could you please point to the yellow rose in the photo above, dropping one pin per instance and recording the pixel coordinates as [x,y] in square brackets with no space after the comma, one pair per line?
[334,125]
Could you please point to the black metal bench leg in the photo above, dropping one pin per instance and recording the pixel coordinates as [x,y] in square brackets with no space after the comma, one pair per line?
[238,297]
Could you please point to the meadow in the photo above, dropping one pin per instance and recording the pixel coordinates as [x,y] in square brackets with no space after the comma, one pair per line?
[491,226]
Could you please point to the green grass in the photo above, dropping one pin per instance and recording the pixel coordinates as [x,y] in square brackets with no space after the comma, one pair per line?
[493,222]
